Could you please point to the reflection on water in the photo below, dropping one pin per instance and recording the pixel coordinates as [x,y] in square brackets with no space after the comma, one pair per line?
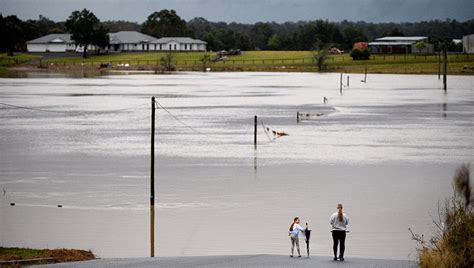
[381,148]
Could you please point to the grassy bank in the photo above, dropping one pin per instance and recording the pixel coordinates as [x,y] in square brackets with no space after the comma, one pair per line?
[59,255]
[271,61]
[7,60]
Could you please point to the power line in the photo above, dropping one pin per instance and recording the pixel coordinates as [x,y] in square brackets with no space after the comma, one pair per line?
[33,109]
[66,112]
[177,119]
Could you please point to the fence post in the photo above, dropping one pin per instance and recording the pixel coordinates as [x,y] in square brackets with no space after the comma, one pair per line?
[340,84]
[445,69]
[255,132]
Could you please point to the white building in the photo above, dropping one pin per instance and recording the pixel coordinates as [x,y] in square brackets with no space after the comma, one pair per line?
[400,45]
[119,42]
[51,43]
[468,44]
[179,43]
[130,41]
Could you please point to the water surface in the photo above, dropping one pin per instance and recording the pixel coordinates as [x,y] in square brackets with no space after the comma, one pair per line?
[386,149]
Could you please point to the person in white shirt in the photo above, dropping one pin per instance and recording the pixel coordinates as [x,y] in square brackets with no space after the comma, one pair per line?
[295,230]
[339,222]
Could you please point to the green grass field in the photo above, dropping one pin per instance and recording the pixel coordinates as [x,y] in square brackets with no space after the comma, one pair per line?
[6,60]
[274,61]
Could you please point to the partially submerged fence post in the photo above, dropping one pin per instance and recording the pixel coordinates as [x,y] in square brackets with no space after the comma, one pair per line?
[347,81]
[297,117]
[255,133]
[152,181]
[439,61]
[445,67]
[340,84]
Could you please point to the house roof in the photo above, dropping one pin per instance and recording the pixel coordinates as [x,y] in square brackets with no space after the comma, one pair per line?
[130,37]
[52,38]
[187,40]
[391,43]
[402,38]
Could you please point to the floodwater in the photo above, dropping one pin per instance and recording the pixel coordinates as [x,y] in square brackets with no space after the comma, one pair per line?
[387,149]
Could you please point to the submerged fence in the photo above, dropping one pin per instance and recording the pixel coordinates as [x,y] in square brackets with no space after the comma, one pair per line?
[258,62]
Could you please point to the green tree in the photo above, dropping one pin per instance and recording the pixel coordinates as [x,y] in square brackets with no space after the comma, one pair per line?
[260,34]
[100,38]
[321,54]
[15,32]
[205,60]
[242,41]
[85,29]
[165,23]
[320,31]
[420,46]
[394,32]
[274,42]
[352,35]
[167,61]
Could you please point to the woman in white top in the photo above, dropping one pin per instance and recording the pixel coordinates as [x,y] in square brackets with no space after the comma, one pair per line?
[339,221]
[295,230]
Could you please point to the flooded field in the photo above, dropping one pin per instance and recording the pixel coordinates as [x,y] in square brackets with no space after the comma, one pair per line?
[387,149]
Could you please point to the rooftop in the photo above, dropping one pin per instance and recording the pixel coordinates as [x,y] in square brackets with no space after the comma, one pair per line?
[130,37]
[402,38]
[52,38]
[165,40]
[390,43]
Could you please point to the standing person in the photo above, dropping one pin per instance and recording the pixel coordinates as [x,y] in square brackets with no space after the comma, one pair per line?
[294,231]
[339,221]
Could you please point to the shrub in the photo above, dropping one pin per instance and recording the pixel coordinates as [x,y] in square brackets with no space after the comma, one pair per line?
[453,245]
[360,54]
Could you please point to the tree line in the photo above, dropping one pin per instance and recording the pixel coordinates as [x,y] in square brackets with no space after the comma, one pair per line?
[301,35]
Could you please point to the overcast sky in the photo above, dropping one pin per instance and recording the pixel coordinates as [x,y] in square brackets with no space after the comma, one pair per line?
[249,11]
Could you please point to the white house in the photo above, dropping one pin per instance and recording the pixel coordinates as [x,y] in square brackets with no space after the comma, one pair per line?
[180,44]
[51,43]
[399,45]
[468,44]
[130,41]
[119,42]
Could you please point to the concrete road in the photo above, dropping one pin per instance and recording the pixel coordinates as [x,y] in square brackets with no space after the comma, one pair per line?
[237,261]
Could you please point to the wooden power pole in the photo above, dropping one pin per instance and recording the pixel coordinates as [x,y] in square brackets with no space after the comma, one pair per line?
[152,181]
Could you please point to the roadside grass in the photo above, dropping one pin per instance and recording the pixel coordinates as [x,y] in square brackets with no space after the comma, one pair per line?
[61,255]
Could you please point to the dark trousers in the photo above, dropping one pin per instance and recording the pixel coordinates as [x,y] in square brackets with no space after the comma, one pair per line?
[339,237]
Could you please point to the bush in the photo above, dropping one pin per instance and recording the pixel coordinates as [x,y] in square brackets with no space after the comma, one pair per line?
[358,54]
[453,245]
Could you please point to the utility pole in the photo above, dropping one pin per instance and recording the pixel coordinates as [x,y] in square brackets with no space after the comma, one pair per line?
[152,181]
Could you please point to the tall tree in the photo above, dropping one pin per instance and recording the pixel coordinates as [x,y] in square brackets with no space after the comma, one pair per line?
[352,35]
[274,42]
[260,34]
[85,29]
[165,23]
[15,33]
